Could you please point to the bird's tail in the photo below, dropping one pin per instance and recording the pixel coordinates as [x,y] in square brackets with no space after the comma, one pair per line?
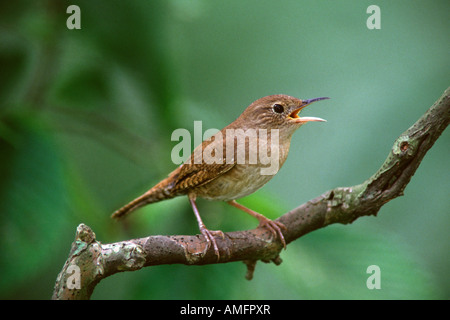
[155,194]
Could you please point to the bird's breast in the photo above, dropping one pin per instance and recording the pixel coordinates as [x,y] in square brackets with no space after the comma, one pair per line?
[238,182]
[244,179]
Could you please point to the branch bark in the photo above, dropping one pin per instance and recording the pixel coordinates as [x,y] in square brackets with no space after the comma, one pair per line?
[95,261]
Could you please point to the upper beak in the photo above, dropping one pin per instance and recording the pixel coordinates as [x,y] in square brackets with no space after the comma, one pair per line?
[305,103]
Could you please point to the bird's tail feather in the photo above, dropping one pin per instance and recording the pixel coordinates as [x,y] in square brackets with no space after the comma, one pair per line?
[155,194]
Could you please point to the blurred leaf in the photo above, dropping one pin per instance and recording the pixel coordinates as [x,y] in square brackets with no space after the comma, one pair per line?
[332,264]
[33,200]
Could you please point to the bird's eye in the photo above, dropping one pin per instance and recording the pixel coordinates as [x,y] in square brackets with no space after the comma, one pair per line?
[278,108]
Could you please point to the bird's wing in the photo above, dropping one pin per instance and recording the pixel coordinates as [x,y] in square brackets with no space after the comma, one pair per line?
[195,175]
[198,170]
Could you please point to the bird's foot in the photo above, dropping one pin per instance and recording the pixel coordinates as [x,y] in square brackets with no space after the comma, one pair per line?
[274,227]
[209,237]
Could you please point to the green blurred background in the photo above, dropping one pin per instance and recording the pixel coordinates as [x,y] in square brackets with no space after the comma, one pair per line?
[86,118]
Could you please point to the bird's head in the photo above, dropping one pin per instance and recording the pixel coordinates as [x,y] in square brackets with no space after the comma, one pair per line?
[277,112]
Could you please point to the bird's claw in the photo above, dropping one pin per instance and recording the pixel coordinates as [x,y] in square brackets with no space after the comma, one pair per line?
[274,227]
[209,237]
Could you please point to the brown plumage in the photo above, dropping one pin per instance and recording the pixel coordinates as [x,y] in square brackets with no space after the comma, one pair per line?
[215,174]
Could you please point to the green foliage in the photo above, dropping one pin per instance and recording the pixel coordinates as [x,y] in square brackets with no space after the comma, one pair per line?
[33,200]
[86,118]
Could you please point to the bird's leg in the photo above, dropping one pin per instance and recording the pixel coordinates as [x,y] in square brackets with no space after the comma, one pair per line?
[273,226]
[208,234]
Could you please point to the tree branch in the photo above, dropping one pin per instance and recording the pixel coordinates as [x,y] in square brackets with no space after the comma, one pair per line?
[97,261]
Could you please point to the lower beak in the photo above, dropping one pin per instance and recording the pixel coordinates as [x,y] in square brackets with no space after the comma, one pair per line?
[305,103]
[308,119]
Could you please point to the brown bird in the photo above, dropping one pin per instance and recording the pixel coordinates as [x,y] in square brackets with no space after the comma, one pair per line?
[235,162]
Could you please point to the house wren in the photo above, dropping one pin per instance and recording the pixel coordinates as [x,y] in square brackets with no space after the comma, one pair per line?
[235,162]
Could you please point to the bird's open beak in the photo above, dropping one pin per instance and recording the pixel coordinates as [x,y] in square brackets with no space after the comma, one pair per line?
[294,115]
